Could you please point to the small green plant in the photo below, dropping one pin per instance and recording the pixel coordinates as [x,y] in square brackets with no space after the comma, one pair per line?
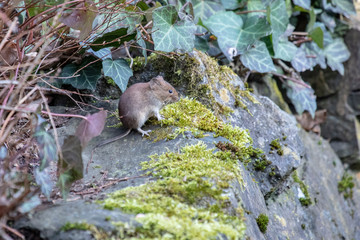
[262,221]
[275,145]
[305,201]
[346,185]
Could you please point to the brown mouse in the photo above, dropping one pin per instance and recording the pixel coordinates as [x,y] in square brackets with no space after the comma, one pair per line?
[141,101]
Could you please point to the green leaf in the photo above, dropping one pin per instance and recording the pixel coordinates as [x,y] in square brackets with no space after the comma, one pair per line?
[140,41]
[43,179]
[234,37]
[285,50]
[302,97]
[317,36]
[169,34]
[103,53]
[232,4]
[316,53]
[258,58]
[256,6]
[303,3]
[345,7]
[112,39]
[204,9]
[71,166]
[300,61]
[328,20]
[311,23]
[46,143]
[119,71]
[336,53]
[86,78]
[278,20]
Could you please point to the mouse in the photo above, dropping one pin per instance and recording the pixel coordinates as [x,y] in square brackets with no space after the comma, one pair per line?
[141,101]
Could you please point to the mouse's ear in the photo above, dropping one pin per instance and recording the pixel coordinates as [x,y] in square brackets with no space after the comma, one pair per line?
[156,81]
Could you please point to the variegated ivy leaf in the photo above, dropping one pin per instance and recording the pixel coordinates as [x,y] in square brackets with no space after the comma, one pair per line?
[285,50]
[302,97]
[254,7]
[303,3]
[119,71]
[170,34]
[140,41]
[203,9]
[278,20]
[258,58]
[345,7]
[234,36]
[232,4]
[300,61]
[336,53]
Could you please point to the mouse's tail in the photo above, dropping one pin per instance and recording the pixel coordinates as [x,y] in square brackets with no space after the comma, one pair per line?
[106,142]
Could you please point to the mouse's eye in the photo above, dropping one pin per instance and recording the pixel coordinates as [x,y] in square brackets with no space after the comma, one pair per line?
[170,91]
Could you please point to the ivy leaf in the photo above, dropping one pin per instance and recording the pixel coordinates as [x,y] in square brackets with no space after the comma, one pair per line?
[81,18]
[112,39]
[140,41]
[302,97]
[285,50]
[204,9]
[71,166]
[86,78]
[231,4]
[43,179]
[46,143]
[345,7]
[234,37]
[317,36]
[256,6]
[119,71]
[328,20]
[258,58]
[103,53]
[278,20]
[336,53]
[303,3]
[300,61]
[316,53]
[169,34]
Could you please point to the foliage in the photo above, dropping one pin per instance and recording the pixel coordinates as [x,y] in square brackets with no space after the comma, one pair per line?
[262,221]
[346,185]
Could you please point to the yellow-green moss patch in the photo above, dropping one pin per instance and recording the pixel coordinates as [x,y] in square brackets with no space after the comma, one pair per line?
[262,221]
[187,201]
[346,185]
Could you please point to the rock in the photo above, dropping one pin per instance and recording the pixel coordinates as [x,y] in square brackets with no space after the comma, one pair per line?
[295,186]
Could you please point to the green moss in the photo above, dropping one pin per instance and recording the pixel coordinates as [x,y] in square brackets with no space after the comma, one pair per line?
[303,226]
[187,201]
[275,145]
[307,200]
[191,115]
[183,70]
[77,225]
[262,163]
[262,221]
[110,81]
[346,185]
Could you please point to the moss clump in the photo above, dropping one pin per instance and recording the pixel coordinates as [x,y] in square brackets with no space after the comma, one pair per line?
[346,185]
[262,221]
[306,201]
[262,163]
[191,115]
[188,201]
[275,145]
[77,225]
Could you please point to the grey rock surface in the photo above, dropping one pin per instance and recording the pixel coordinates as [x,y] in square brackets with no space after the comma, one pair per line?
[330,216]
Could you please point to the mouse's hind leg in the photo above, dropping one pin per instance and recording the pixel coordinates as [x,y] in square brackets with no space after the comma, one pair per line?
[143,132]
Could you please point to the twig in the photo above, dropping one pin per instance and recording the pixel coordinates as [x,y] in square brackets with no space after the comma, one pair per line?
[11,29]
[12,230]
[127,52]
